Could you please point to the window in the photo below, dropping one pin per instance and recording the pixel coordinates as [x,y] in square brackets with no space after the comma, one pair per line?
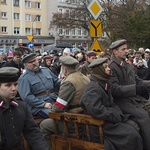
[4,29]
[4,14]
[38,31]
[16,3]
[27,4]
[28,31]
[74,1]
[73,32]
[60,31]
[79,31]
[38,18]
[84,32]
[28,17]
[61,0]
[38,5]
[67,32]
[3,1]
[60,10]
[16,30]
[16,16]
[67,12]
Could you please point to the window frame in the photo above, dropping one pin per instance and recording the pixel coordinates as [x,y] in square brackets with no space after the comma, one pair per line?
[16,30]
[4,29]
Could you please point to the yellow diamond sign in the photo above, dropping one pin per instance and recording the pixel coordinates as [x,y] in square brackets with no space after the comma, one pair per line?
[95,8]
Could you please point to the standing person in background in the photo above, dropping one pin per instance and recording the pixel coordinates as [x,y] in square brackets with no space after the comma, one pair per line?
[127,89]
[15,118]
[16,62]
[56,62]
[90,57]
[47,62]
[37,86]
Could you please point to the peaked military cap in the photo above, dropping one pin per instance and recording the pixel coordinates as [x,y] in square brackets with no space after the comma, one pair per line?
[91,53]
[97,62]
[29,58]
[8,74]
[117,44]
[68,61]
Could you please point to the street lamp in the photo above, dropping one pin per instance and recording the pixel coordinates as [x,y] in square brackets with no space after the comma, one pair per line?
[32,30]
[33,22]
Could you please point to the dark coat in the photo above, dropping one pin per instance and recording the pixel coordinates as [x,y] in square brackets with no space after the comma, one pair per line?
[98,103]
[13,64]
[142,72]
[84,68]
[124,81]
[15,120]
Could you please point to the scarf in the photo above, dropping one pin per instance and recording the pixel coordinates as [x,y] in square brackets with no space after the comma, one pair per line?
[99,72]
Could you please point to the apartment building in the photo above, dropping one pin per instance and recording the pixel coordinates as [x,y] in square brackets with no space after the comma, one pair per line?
[21,18]
[76,36]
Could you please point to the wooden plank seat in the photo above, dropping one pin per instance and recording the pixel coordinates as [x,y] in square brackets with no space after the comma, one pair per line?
[67,140]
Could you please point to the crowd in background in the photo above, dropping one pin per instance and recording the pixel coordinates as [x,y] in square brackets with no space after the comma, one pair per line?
[139,59]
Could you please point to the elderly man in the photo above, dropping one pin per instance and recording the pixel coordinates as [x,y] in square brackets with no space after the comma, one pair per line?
[127,89]
[71,90]
[15,118]
[37,86]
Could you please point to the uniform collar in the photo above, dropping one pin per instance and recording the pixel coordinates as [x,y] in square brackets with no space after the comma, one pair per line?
[119,62]
[13,103]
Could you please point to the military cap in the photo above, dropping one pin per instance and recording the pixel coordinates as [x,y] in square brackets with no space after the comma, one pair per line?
[68,61]
[47,57]
[91,53]
[117,44]
[137,52]
[8,74]
[29,58]
[97,62]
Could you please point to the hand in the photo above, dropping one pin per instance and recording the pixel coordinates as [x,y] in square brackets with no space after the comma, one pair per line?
[48,105]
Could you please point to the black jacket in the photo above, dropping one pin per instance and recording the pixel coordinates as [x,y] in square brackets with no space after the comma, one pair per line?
[15,120]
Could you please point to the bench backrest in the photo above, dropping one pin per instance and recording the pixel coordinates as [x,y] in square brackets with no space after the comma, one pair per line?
[75,139]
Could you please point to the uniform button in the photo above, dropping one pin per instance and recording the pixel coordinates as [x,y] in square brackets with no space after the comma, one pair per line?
[10,110]
[13,126]
[12,118]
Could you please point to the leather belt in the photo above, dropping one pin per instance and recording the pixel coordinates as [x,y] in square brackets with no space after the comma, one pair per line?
[47,92]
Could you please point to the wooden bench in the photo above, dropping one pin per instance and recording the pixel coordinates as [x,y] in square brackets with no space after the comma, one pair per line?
[73,141]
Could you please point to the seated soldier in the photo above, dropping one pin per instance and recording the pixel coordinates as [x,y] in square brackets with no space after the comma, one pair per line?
[15,118]
[97,101]
[70,92]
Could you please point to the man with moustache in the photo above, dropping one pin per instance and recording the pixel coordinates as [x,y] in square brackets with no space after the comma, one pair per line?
[37,86]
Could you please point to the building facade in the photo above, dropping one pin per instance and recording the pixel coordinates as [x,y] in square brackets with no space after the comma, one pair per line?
[76,36]
[20,19]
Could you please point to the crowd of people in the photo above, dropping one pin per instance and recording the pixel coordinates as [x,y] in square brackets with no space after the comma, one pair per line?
[113,86]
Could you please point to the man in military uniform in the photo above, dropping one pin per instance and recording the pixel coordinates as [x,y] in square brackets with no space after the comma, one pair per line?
[15,118]
[70,92]
[128,88]
[90,57]
[37,86]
